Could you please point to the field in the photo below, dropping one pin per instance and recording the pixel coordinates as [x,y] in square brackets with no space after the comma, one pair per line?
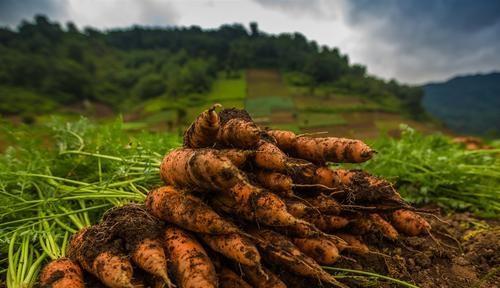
[275,103]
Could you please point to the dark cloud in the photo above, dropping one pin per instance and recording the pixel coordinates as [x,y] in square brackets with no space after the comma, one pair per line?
[431,39]
[13,11]
[415,40]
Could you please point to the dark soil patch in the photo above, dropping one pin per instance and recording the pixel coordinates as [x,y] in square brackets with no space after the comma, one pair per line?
[467,256]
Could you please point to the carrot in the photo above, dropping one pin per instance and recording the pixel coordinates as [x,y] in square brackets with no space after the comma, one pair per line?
[101,257]
[264,207]
[268,156]
[284,139]
[327,223]
[234,246]
[324,149]
[237,129]
[200,169]
[384,227]
[409,222]
[354,244]
[298,208]
[141,233]
[229,279]
[62,273]
[276,182]
[237,156]
[262,279]
[150,256]
[327,177]
[324,204]
[282,183]
[187,211]
[191,264]
[280,250]
[320,249]
[203,131]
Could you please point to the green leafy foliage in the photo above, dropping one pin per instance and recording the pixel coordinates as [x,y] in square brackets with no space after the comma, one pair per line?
[124,67]
[432,169]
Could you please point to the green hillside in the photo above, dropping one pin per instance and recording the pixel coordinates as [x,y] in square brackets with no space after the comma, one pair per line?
[466,104]
[140,71]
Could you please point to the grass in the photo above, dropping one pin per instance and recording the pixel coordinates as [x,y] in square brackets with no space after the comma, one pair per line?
[311,120]
[228,89]
[265,106]
[53,179]
[432,169]
[265,83]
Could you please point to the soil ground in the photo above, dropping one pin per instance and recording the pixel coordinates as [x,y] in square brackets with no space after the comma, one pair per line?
[467,256]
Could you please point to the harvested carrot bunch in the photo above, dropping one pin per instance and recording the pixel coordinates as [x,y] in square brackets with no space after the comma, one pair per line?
[239,202]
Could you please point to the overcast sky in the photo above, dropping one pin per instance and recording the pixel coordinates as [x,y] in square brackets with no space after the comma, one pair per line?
[414,41]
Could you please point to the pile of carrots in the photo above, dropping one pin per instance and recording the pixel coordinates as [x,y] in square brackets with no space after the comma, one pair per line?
[239,205]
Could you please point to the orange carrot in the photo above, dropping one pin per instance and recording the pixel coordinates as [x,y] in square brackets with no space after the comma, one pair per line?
[320,249]
[229,279]
[355,245]
[280,250]
[234,246]
[276,182]
[191,264]
[327,223]
[187,211]
[409,222]
[102,258]
[262,278]
[62,273]
[324,149]
[237,156]
[237,129]
[200,169]
[284,139]
[141,233]
[384,227]
[203,131]
[268,156]
[150,256]
[264,207]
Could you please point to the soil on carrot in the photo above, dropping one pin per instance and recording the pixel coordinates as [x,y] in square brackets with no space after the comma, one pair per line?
[468,255]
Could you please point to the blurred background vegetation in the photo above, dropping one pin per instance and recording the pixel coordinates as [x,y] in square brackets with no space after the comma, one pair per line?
[160,78]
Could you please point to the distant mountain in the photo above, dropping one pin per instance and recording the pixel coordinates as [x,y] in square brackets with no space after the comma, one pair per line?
[466,104]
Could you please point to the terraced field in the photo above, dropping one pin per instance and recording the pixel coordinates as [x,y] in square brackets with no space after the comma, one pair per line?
[272,103]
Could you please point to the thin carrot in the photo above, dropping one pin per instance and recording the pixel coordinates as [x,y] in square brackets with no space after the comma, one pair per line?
[355,245]
[234,246]
[320,249]
[323,149]
[191,264]
[384,227]
[410,223]
[262,278]
[141,233]
[278,249]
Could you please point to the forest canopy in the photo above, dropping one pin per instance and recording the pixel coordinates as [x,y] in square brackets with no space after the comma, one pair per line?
[45,63]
